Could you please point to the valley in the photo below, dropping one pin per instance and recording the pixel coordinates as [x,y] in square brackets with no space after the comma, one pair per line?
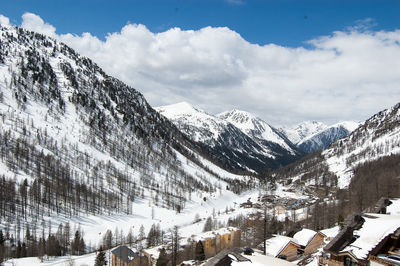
[80,149]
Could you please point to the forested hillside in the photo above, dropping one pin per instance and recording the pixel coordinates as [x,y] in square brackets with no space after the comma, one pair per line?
[75,141]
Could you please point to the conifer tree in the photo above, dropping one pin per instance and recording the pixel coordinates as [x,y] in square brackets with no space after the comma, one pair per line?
[100,258]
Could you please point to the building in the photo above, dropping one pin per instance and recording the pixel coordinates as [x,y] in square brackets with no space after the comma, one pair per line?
[212,243]
[282,247]
[226,257]
[364,237]
[309,240]
[124,256]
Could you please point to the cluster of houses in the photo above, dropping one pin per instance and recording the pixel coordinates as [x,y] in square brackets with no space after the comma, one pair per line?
[211,243]
[284,203]
[304,242]
[371,238]
[279,204]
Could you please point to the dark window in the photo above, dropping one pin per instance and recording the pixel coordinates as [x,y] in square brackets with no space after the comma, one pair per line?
[349,262]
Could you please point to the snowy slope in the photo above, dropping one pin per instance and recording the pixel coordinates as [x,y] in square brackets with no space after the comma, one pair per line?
[89,149]
[322,139]
[377,137]
[249,146]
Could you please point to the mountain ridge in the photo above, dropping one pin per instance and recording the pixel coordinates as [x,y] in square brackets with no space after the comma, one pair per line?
[246,149]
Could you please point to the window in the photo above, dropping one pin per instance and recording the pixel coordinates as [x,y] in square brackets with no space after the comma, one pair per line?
[349,262]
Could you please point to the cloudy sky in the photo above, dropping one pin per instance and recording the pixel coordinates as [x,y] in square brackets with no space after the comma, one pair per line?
[286,62]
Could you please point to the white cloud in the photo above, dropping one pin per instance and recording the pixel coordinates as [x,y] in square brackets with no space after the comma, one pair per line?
[4,21]
[347,75]
[33,22]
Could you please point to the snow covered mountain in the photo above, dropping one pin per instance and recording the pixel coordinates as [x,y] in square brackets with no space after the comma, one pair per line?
[303,130]
[75,141]
[322,139]
[244,142]
[256,128]
[377,137]
[310,136]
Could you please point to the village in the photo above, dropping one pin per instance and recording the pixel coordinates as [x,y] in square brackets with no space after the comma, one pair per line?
[369,238]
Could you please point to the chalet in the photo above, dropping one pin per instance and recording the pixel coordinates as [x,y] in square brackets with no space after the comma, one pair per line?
[309,240]
[364,237]
[124,256]
[282,247]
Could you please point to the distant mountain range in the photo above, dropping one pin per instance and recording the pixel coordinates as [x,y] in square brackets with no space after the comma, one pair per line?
[245,142]
[310,136]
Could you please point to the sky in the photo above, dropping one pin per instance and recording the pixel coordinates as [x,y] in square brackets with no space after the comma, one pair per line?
[285,61]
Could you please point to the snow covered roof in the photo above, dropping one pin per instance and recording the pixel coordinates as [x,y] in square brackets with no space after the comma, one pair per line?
[276,244]
[304,236]
[213,234]
[394,208]
[375,228]
[258,259]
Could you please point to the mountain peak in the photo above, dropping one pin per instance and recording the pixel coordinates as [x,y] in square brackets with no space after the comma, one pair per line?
[178,109]
[254,127]
[239,118]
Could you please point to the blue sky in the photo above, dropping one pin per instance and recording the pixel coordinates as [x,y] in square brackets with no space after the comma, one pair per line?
[285,61]
[283,22]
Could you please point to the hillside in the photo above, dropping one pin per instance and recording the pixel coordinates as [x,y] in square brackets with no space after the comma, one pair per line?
[76,142]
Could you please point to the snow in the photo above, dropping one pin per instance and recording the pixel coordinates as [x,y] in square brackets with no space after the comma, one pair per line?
[370,145]
[253,126]
[372,232]
[69,130]
[276,244]
[302,130]
[258,259]
[330,233]
[84,260]
[304,236]
[183,114]
[204,127]
[348,125]
[394,208]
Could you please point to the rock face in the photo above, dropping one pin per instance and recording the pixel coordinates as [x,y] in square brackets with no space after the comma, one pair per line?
[242,141]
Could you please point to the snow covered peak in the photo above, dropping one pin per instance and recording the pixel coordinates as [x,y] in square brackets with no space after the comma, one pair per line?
[178,109]
[240,136]
[240,119]
[346,127]
[302,130]
[349,125]
[254,127]
[194,122]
